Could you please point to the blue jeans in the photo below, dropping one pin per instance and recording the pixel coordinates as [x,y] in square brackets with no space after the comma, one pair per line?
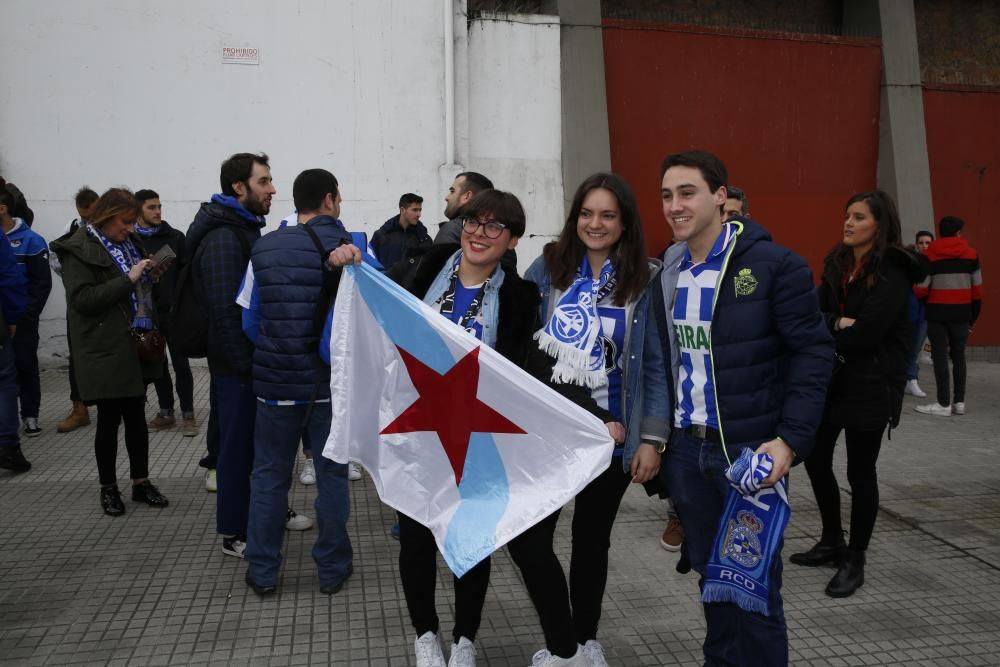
[276,442]
[919,334]
[9,423]
[237,406]
[695,471]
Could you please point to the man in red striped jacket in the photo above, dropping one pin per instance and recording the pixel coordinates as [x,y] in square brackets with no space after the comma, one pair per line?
[953,291]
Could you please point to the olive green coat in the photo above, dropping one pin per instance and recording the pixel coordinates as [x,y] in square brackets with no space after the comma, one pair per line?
[98,315]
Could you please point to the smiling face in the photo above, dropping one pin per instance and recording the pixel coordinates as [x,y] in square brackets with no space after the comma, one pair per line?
[599,224]
[482,252]
[860,228]
[120,227]
[691,209]
[255,195]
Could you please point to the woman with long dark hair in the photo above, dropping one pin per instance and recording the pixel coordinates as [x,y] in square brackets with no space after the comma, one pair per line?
[864,295]
[594,310]
[108,295]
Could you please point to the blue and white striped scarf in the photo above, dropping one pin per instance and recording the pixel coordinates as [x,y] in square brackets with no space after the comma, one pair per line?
[125,255]
[573,334]
[749,536]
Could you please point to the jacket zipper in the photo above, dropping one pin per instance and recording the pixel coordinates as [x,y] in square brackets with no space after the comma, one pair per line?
[711,355]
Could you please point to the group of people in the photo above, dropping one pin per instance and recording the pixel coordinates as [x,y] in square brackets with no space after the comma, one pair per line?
[719,353]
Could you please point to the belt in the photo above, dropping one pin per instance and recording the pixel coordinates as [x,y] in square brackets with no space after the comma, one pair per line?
[702,432]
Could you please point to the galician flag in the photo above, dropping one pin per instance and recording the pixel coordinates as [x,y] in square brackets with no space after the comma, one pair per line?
[453,435]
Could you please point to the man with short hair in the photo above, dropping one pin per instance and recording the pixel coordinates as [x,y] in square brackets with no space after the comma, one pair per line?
[79,414]
[750,359]
[33,261]
[736,203]
[156,233]
[402,232]
[953,292]
[13,301]
[466,185]
[918,318]
[218,246]
[286,296]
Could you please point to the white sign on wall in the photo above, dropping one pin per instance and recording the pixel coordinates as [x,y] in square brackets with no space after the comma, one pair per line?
[240,55]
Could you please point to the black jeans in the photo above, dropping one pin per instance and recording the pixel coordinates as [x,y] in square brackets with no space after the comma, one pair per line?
[593,518]
[29,387]
[948,338]
[185,381]
[212,436]
[418,572]
[111,413]
[862,454]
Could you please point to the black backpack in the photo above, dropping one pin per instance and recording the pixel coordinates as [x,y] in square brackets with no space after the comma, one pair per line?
[188,317]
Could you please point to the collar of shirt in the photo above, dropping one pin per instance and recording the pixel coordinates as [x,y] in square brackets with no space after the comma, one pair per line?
[722,243]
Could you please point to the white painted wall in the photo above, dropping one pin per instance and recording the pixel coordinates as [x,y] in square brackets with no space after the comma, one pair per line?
[134,92]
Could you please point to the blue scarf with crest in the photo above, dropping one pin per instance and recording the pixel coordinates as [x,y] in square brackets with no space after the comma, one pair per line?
[125,255]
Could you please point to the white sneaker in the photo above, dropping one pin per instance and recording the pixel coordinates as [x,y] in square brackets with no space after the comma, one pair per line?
[545,659]
[211,481]
[308,474]
[427,648]
[353,471]
[957,408]
[913,389]
[594,652]
[935,409]
[463,654]
[925,358]
[296,521]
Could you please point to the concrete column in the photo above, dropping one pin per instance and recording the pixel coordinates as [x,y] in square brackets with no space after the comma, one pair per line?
[903,168]
[586,147]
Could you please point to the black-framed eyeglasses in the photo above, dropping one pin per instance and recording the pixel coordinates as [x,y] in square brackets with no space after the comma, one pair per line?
[491,228]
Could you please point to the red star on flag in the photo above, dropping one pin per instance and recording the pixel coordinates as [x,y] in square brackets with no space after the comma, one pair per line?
[449,406]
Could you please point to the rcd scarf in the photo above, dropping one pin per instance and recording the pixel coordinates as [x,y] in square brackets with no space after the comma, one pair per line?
[573,334]
[125,255]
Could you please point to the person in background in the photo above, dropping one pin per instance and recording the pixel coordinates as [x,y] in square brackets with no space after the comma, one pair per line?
[156,233]
[13,301]
[79,414]
[864,296]
[33,260]
[108,296]
[918,322]
[402,232]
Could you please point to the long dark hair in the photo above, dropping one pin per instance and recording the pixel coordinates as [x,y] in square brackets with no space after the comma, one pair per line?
[563,257]
[887,235]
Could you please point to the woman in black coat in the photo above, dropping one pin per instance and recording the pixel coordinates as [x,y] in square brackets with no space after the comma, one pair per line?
[867,279]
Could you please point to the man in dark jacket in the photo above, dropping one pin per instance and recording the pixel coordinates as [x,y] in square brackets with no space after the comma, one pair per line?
[13,303]
[750,360]
[218,246]
[286,296]
[33,260]
[466,185]
[953,291]
[402,232]
[156,233]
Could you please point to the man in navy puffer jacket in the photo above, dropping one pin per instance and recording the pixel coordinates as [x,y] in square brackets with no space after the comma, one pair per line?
[750,361]
[286,297]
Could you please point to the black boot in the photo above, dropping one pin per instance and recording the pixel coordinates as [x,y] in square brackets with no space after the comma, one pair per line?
[111,500]
[821,554]
[850,577]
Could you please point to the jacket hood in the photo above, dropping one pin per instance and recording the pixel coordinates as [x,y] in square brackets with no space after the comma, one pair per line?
[18,225]
[949,247]
[212,214]
[912,264]
[84,247]
[750,232]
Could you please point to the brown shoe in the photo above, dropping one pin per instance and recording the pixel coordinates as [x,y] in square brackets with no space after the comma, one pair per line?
[78,416]
[189,427]
[673,536]
[159,423]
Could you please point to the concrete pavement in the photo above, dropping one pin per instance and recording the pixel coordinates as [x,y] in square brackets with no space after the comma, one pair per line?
[153,587]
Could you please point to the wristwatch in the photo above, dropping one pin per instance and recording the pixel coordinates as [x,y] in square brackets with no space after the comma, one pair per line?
[660,447]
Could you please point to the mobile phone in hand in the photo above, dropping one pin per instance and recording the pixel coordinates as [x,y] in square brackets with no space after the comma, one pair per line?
[163,256]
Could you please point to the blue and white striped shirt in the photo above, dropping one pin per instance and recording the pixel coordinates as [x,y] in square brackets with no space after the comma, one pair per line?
[692,314]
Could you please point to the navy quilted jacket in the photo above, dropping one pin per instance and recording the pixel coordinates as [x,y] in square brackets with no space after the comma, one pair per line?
[289,275]
[771,349]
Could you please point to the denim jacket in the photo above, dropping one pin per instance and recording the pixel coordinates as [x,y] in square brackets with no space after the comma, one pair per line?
[490,309]
[645,390]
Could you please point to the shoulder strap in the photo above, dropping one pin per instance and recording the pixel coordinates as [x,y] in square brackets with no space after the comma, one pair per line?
[331,280]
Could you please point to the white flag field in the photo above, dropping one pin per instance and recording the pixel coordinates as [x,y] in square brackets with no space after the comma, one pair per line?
[453,435]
